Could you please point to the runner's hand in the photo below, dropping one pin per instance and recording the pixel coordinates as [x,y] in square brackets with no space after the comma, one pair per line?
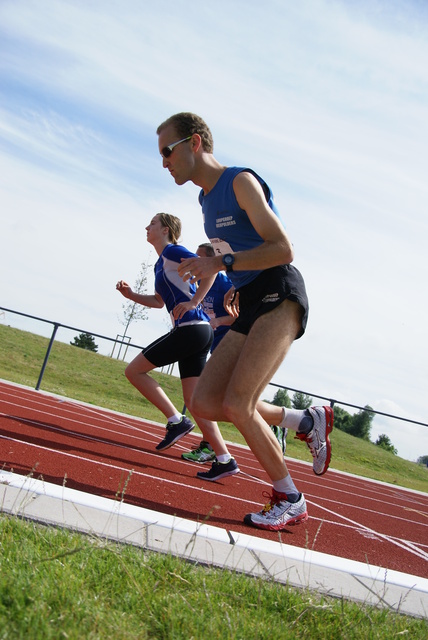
[124,288]
[231,302]
[182,308]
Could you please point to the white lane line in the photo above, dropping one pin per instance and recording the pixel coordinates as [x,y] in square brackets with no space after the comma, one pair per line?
[204,489]
[361,527]
[102,415]
[249,466]
[376,512]
[355,525]
[87,412]
[406,545]
[399,496]
[333,479]
[70,406]
[66,420]
[150,436]
[149,433]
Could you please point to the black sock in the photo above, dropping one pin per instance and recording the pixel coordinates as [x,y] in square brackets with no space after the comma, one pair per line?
[293,497]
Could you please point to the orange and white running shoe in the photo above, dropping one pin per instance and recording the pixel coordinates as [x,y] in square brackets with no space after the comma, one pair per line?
[278,513]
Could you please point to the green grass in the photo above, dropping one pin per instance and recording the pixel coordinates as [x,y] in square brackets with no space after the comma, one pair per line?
[57,584]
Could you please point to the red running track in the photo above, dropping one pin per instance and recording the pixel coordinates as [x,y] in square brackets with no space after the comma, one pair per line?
[110,454]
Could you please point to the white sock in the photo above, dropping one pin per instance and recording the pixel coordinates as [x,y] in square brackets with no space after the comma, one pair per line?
[224,458]
[177,417]
[286,485]
[292,418]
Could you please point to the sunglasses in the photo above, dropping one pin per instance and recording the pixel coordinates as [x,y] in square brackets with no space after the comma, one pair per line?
[166,151]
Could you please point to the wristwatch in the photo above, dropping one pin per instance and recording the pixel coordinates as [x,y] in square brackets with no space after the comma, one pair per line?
[228,260]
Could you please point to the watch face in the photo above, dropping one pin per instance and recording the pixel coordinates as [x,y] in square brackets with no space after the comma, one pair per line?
[228,260]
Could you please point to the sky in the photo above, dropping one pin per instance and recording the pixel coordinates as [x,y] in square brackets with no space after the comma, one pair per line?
[326,99]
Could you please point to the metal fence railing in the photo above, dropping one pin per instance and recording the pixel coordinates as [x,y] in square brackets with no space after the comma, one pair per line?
[127,344]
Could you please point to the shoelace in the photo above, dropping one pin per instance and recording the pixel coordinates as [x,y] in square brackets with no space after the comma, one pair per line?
[197,450]
[274,499]
[200,447]
[171,425]
[306,438]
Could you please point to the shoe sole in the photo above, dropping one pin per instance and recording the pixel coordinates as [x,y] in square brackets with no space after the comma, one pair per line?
[222,475]
[329,420]
[196,461]
[167,446]
[277,527]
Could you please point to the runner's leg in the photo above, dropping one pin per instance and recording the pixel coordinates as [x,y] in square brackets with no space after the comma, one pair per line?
[137,374]
[239,370]
[210,431]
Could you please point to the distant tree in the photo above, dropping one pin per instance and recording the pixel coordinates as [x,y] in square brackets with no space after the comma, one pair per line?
[362,423]
[423,460]
[301,400]
[282,399]
[342,419]
[384,442]
[132,310]
[85,341]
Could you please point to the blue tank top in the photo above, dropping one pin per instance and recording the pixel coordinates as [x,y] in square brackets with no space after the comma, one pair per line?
[227,225]
[170,286]
[214,307]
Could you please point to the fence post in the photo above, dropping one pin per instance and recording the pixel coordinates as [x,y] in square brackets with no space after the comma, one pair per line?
[39,381]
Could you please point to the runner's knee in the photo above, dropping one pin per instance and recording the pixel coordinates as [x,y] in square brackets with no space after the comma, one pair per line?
[202,406]
[236,409]
[129,373]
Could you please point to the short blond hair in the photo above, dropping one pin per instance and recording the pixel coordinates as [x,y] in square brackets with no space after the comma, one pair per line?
[174,226]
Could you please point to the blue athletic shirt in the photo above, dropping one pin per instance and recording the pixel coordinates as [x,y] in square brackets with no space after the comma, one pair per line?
[227,225]
[171,287]
[214,307]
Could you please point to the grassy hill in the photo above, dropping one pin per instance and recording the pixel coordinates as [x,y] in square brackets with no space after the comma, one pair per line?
[99,380]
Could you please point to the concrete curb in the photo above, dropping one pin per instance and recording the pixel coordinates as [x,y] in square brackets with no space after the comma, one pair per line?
[114,520]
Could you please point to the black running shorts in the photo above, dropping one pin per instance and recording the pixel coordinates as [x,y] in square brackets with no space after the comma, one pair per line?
[188,345]
[267,291]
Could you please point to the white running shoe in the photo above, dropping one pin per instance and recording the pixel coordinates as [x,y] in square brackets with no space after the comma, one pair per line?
[317,439]
[278,513]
